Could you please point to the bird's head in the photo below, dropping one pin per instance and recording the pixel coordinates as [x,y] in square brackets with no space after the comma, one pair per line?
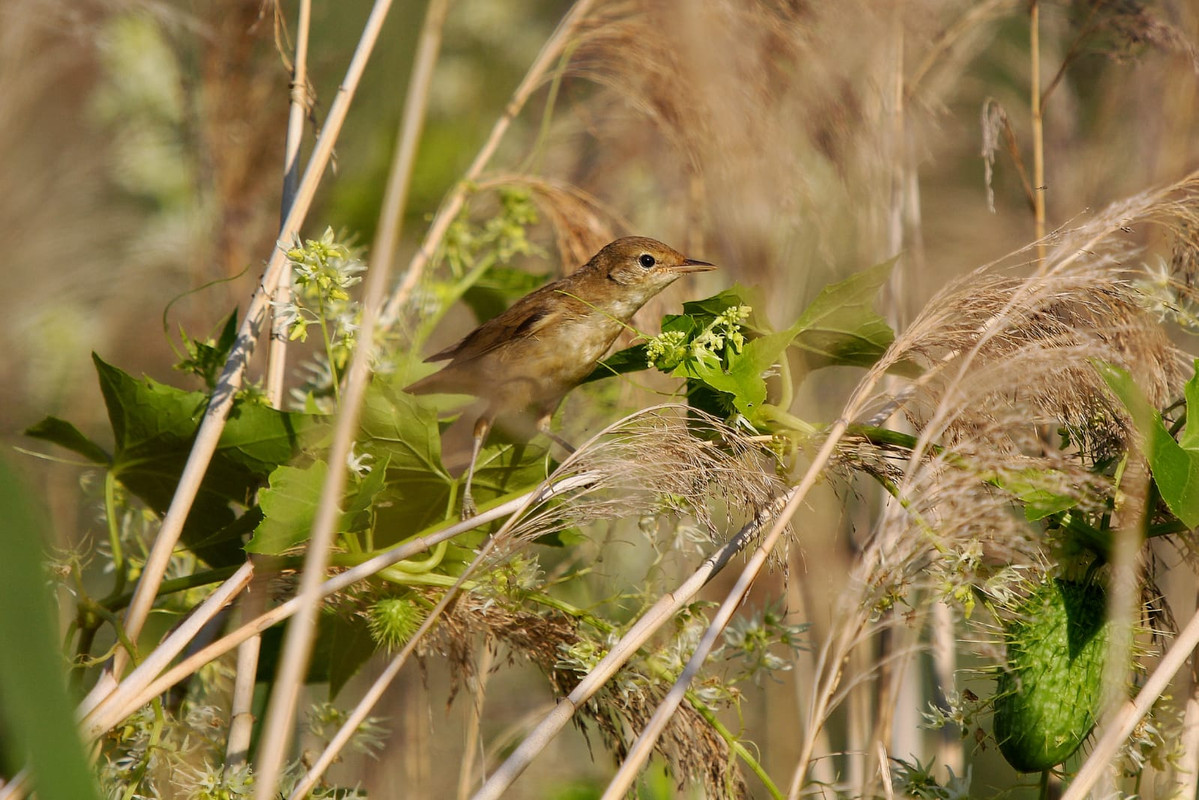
[638,267]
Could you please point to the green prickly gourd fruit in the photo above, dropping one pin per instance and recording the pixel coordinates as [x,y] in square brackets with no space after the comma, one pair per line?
[1047,698]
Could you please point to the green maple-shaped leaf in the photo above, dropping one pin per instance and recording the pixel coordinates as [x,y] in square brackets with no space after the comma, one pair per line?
[289,505]
[154,427]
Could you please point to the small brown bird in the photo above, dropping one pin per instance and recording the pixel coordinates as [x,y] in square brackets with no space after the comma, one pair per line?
[530,356]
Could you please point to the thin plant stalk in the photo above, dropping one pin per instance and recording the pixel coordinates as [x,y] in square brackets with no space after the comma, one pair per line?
[641,750]
[241,717]
[372,695]
[241,714]
[1124,594]
[301,631]
[230,380]
[950,753]
[884,770]
[1121,724]
[977,14]
[474,742]
[296,116]
[641,631]
[145,683]
[181,636]
[1038,126]
[805,671]
[455,200]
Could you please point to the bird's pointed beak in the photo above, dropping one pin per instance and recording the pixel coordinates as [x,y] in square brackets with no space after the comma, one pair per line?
[691,265]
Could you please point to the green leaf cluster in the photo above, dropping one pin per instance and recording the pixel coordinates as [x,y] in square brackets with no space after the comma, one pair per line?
[154,427]
[1174,463]
[726,356]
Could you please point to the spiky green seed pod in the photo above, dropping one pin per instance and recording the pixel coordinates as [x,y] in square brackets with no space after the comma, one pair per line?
[393,620]
[1048,696]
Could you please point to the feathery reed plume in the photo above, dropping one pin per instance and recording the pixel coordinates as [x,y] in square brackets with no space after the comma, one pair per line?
[694,750]
[664,458]
[1003,356]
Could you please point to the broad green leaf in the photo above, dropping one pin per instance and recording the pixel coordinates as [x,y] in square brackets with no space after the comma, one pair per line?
[288,508]
[711,307]
[412,501]
[402,429]
[508,467]
[1034,489]
[319,665]
[37,713]
[64,434]
[154,426]
[841,326]
[744,378]
[1175,466]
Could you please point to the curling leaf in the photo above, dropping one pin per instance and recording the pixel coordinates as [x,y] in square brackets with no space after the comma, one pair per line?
[1174,464]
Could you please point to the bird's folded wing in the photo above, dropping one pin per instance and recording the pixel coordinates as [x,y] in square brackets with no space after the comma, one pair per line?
[519,322]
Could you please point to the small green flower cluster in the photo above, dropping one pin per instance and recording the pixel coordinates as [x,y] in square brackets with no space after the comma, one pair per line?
[914,779]
[323,271]
[722,335]
[754,639]
[161,754]
[499,239]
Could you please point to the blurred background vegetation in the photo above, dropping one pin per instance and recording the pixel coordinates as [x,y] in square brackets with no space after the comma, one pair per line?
[792,142]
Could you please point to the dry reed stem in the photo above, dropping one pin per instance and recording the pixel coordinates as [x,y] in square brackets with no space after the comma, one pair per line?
[473,738]
[1124,591]
[638,634]
[297,646]
[998,333]
[1121,725]
[301,631]
[241,714]
[1038,126]
[455,200]
[241,717]
[177,640]
[232,374]
[950,753]
[145,684]
[297,114]
[1187,773]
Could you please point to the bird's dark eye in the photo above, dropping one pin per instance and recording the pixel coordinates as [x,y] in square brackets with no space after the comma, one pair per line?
[647,260]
